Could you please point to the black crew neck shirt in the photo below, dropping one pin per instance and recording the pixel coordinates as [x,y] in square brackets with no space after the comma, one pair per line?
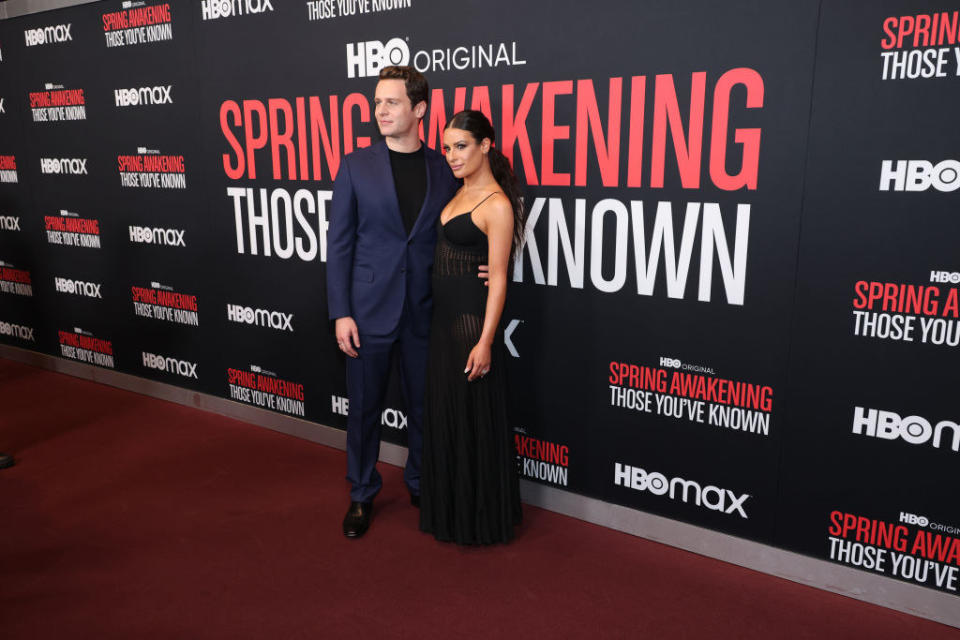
[410,180]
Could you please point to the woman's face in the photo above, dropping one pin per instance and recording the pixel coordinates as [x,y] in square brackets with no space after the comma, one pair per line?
[464,154]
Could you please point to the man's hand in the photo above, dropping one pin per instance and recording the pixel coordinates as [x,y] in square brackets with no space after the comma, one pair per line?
[483,273]
[348,338]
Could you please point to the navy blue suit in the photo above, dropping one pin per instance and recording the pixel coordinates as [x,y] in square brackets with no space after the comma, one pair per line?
[380,276]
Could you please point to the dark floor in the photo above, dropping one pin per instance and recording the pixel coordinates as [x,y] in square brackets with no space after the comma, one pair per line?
[130,517]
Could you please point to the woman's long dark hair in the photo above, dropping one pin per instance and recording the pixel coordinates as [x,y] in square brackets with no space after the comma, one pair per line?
[479,127]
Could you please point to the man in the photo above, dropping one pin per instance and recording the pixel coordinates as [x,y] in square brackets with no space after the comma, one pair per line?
[386,201]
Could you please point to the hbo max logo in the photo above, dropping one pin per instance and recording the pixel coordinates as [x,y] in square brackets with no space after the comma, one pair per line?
[143,95]
[157,235]
[365,59]
[16,330]
[170,365]
[260,317]
[66,166]
[213,9]
[78,287]
[48,35]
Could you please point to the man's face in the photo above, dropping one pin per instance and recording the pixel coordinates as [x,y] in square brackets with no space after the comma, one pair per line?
[396,117]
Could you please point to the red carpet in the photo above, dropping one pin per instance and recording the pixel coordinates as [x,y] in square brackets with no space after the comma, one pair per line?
[130,517]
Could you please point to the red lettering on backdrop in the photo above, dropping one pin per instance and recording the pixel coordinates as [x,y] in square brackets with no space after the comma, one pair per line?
[667,110]
[937,547]
[330,137]
[276,123]
[923,27]
[588,119]
[278,139]
[836,518]
[928,30]
[599,134]
[949,31]
[142,294]
[638,96]
[438,116]
[359,101]
[242,378]
[68,338]
[432,135]
[252,143]
[540,450]
[906,28]
[860,301]
[903,298]
[748,138]
[230,107]
[951,308]
[553,132]
[614,376]
[868,531]
[39,99]
[514,129]
[116,20]
[15,275]
[302,138]
[890,40]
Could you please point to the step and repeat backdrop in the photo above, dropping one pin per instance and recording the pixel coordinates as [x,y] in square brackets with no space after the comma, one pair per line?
[737,305]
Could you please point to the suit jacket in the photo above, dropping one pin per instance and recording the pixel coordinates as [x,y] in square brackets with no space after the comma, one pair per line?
[374,269]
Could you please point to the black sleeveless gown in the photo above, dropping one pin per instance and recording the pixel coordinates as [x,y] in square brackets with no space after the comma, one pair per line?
[468,483]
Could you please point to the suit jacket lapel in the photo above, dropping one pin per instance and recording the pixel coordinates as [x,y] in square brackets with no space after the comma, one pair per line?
[431,169]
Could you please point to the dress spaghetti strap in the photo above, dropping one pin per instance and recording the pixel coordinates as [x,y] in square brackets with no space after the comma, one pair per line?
[482,201]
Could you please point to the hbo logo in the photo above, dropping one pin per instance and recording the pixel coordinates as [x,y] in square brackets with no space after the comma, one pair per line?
[952,277]
[365,59]
[673,363]
[919,175]
[910,518]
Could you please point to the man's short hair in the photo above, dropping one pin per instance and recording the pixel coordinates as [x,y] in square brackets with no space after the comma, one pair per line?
[413,81]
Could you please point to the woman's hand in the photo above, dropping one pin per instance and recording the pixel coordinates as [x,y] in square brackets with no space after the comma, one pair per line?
[478,362]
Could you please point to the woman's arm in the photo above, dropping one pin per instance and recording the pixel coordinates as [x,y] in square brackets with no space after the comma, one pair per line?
[496,220]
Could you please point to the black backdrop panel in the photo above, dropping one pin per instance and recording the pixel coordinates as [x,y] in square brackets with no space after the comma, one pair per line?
[668,355]
[869,462]
[712,328]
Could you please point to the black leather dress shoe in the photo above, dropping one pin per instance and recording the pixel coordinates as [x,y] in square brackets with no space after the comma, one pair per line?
[357,520]
[415,500]
[5,461]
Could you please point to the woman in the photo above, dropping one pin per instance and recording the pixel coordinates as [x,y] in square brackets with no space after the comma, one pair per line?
[468,487]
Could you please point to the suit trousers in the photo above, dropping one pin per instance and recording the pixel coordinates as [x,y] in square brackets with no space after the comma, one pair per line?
[367,377]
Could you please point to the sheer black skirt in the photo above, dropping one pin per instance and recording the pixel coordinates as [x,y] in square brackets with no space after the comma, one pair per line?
[468,486]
